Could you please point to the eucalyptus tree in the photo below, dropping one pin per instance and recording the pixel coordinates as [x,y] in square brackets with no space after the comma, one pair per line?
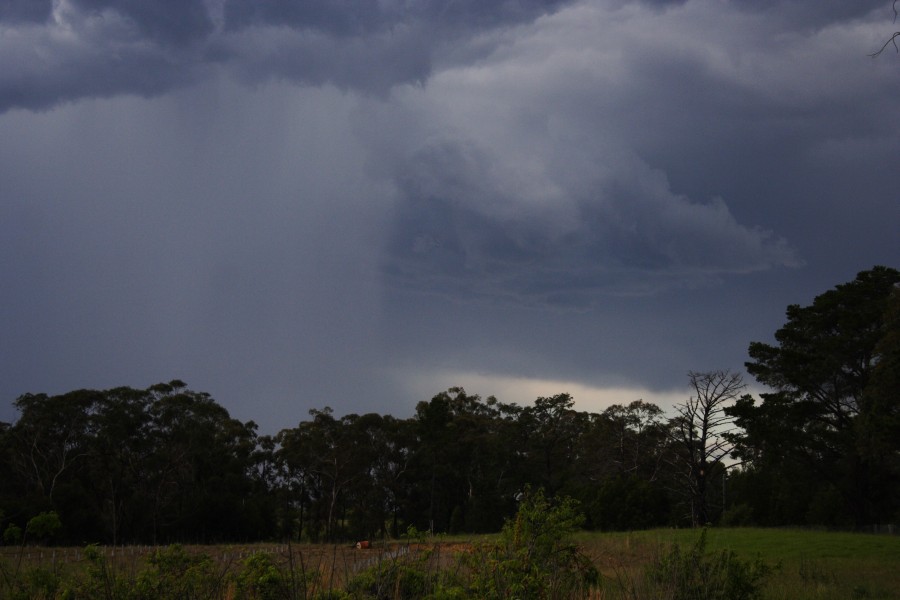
[636,436]
[50,440]
[553,433]
[376,501]
[119,451]
[200,472]
[464,462]
[49,451]
[620,464]
[324,460]
[133,465]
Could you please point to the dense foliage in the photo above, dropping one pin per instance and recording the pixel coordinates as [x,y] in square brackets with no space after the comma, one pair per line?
[822,447]
[168,464]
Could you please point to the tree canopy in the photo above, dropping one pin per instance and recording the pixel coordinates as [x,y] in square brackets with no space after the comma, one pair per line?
[830,369]
[169,464]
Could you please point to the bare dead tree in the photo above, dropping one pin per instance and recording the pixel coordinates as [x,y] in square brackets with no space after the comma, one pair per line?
[893,38]
[698,435]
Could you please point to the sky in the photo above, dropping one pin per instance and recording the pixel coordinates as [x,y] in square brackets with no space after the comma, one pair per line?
[292,204]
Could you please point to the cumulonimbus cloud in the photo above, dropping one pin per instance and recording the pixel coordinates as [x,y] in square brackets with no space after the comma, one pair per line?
[54,51]
[521,163]
[461,231]
[521,177]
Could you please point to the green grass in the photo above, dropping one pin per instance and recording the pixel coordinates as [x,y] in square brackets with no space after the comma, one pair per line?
[812,564]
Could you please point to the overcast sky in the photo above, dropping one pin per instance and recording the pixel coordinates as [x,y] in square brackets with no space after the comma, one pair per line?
[357,203]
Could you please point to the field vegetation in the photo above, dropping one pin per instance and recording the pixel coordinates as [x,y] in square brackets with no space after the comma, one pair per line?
[538,555]
[805,563]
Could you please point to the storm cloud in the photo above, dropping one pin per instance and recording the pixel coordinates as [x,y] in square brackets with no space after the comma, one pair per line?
[293,204]
[60,51]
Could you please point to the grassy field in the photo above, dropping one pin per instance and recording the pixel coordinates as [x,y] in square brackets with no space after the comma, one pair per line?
[808,564]
[332,564]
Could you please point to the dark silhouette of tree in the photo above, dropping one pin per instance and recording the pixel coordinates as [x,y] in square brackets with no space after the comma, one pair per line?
[699,436]
[621,464]
[637,435]
[128,465]
[464,464]
[879,429]
[553,431]
[823,410]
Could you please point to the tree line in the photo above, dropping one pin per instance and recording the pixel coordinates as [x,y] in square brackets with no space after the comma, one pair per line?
[169,464]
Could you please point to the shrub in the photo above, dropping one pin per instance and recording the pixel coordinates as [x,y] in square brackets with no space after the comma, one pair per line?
[43,527]
[102,581]
[36,583]
[404,576]
[534,557]
[12,535]
[174,574]
[262,579]
[698,575]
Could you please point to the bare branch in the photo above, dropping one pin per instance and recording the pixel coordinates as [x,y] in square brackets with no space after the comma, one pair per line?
[891,40]
[698,431]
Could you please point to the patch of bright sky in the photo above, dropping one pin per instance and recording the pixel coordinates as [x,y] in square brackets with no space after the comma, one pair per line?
[523,391]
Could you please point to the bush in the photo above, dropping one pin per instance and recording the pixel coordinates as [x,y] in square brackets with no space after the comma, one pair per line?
[698,575]
[534,557]
[407,575]
[261,579]
[43,527]
[174,574]
[35,584]
[102,581]
[12,535]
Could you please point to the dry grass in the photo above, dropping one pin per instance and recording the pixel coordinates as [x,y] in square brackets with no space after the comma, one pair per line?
[812,564]
[322,567]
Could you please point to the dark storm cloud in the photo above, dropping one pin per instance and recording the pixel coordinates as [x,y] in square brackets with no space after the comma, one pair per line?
[552,188]
[51,53]
[460,233]
[810,14]
[360,45]
[663,3]
[167,21]
[88,73]
[355,17]
[19,11]
[341,17]
[372,63]
[101,48]
[627,187]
